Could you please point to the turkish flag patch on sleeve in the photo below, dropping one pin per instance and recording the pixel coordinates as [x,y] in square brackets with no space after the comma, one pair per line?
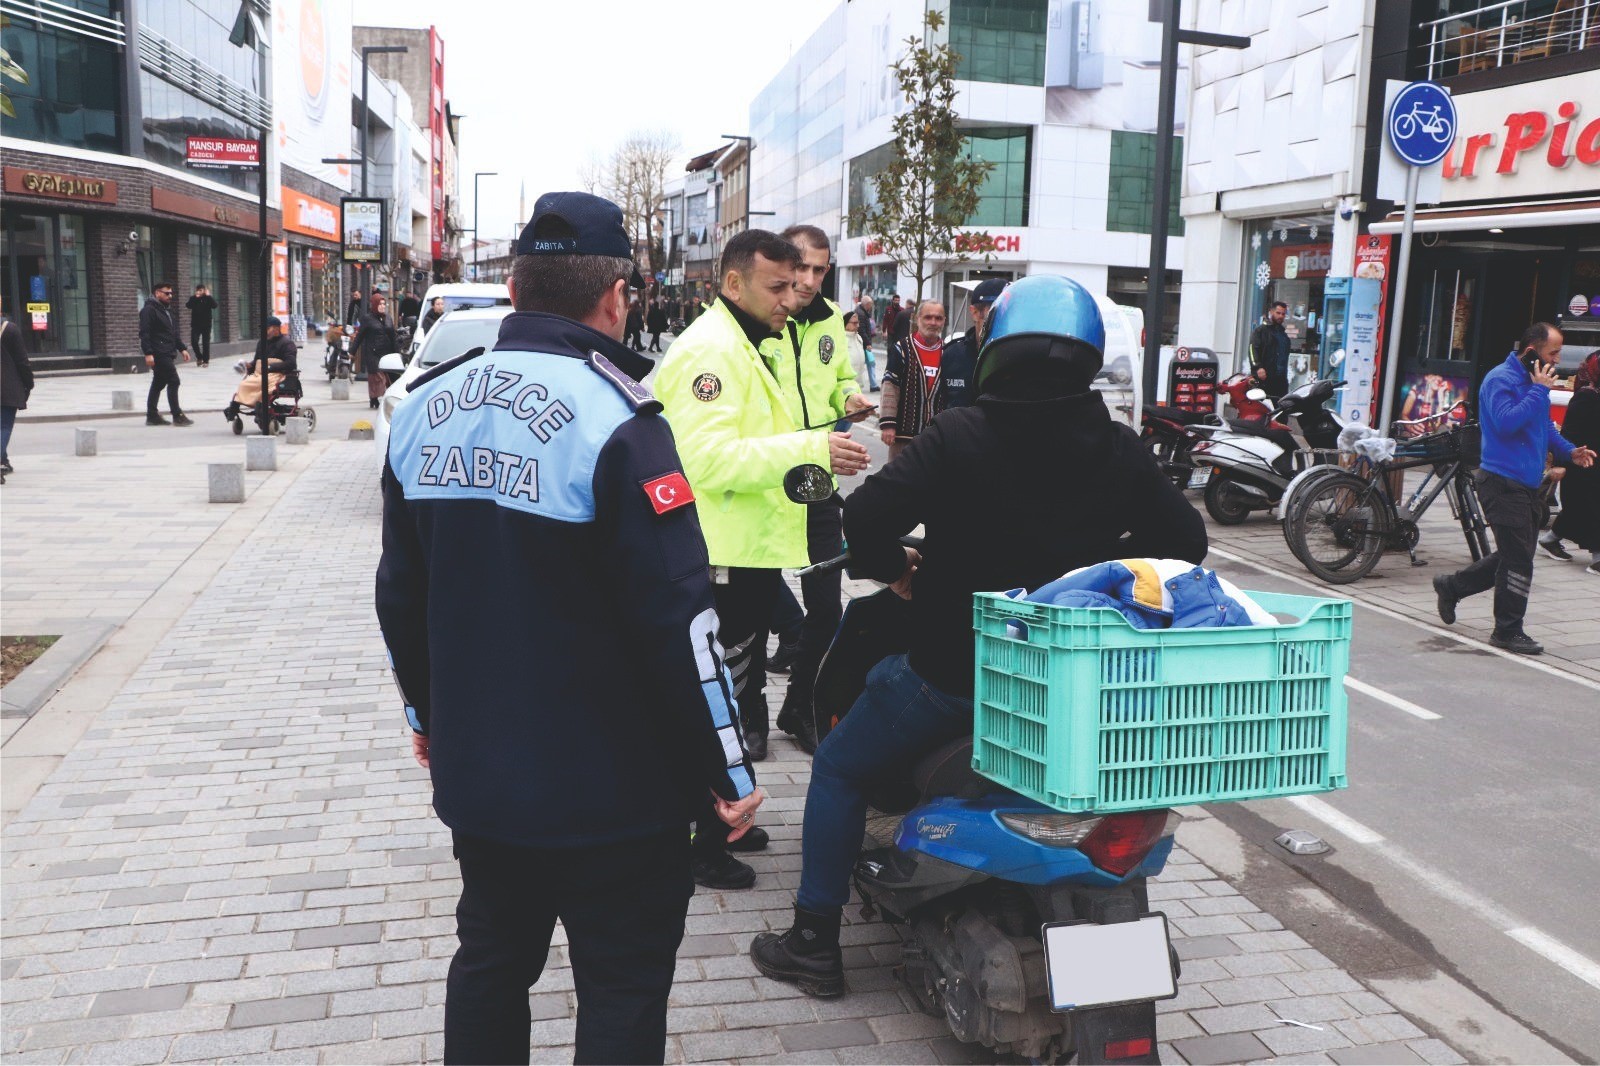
[668,492]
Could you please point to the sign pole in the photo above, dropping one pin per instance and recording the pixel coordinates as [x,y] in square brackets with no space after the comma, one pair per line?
[1391,361]
[266,270]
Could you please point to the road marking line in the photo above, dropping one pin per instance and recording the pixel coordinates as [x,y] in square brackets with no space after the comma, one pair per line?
[1331,817]
[1392,700]
[1580,966]
[1390,612]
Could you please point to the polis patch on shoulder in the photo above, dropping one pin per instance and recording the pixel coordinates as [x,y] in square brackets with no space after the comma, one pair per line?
[707,387]
[825,349]
[668,492]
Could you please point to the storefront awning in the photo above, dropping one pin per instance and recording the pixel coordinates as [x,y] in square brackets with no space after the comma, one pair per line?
[1497,216]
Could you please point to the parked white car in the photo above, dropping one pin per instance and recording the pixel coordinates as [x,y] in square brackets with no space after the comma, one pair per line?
[458,295]
[458,332]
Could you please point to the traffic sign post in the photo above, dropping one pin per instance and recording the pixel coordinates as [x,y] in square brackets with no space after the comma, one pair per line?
[1421,126]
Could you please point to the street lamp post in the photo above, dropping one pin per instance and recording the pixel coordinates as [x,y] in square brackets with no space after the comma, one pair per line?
[475,242]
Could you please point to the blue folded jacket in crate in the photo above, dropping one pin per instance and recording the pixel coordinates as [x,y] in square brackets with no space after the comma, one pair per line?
[1077,708]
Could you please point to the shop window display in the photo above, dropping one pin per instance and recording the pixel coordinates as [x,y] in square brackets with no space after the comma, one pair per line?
[1289,259]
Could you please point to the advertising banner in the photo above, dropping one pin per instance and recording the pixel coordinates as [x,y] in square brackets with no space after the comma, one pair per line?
[223,152]
[1525,141]
[307,215]
[1428,395]
[363,230]
[404,175]
[311,44]
[280,281]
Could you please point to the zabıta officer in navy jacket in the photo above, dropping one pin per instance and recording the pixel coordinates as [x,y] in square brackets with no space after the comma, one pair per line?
[545,595]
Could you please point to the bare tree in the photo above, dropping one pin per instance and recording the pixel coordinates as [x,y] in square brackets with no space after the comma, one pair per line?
[591,173]
[635,178]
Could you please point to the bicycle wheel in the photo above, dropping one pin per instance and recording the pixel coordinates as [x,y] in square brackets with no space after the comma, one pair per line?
[1469,509]
[1294,500]
[1338,528]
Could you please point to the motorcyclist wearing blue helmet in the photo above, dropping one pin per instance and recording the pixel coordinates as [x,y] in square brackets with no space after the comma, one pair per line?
[1032,481]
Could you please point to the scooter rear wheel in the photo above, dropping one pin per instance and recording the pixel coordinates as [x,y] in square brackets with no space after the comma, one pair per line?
[1225,500]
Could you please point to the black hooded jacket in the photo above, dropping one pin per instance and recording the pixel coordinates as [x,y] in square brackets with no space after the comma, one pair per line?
[1013,493]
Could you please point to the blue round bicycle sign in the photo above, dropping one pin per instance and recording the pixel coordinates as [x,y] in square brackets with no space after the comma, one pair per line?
[1422,123]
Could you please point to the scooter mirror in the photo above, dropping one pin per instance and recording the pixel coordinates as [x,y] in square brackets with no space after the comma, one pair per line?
[808,484]
[1336,358]
[1256,394]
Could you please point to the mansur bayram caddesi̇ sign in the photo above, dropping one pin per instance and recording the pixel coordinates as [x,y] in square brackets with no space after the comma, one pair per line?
[223,152]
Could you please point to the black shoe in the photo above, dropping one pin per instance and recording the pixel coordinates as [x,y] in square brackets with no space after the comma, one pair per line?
[1447,598]
[782,660]
[756,744]
[806,955]
[1555,549]
[5,467]
[155,420]
[1518,642]
[755,840]
[723,873]
[182,420]
[800,726]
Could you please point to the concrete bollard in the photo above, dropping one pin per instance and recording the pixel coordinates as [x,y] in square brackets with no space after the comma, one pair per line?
[261,453]
[297,430]
[361,431]
[341,389]
[85,442]
[226,482]
[122,399]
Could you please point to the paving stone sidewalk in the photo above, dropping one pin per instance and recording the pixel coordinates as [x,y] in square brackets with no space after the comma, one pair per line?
[238,862]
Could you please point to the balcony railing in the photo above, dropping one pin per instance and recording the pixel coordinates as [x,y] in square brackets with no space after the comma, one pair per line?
[1515,31]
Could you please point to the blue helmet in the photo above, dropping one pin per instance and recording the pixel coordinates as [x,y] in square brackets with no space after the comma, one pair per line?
[1044,317]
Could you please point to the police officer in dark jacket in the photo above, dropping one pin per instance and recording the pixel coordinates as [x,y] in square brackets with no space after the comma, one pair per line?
[162,344]
[961,354]
[1031,482]
[537,531]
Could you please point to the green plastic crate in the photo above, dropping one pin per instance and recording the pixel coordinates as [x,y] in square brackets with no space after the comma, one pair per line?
[1079,710]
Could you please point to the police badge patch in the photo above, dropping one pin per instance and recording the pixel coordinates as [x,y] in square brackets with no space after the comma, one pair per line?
[707,387]
[825,349]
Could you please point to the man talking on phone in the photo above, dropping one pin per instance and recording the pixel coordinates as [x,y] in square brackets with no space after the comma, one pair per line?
[1514,412]
[811,361]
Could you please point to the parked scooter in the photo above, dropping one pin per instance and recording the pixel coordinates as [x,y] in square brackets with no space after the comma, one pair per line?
[1171,433]
[1252,464]
[336,359]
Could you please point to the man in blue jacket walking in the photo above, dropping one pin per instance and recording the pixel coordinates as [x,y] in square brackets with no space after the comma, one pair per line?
[1514,412]
[538,531]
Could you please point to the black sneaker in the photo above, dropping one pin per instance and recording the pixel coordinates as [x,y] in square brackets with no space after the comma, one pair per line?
[800,726]
[1447,598]
[155,420]
[1555,550]
[755,840]
[5,467]
[182,420]
[723,873]
[756,744]
[782,660]
[1518,642]
[807,954]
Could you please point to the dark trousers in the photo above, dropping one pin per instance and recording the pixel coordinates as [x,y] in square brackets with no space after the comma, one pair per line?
[623,907]
[163,375]
[200,342]
[821,592]
[744,609]
[1512,510]
[655,341]
[633,339]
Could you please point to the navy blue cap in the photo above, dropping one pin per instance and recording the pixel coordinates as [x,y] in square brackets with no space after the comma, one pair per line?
[988,291]
[275,321]
[577,223]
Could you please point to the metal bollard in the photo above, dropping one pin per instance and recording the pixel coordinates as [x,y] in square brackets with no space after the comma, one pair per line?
[297,430]
[261,453]
[225,482]
[122,399]
[341,389]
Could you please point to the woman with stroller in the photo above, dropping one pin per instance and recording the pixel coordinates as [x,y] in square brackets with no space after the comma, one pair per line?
[374,339]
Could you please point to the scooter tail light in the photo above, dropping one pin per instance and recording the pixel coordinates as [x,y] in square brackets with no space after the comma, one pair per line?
[1121,841]
[1128,1049]
[1054,830]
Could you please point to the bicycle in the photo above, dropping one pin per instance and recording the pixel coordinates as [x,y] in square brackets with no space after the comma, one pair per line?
[1431,121]
[1341,523]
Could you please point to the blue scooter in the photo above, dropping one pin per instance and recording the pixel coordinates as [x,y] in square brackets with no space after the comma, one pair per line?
[1010,904]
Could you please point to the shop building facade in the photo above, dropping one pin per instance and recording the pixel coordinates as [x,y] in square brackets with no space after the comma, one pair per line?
[99,204]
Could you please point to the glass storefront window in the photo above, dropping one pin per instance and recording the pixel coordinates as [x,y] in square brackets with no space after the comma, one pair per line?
[1132,188]
[1446,316]
[45,265]
[999,40]
[72,95]
[248,322]
[203,262]
[172,116]
[1287,259]
[1003,200]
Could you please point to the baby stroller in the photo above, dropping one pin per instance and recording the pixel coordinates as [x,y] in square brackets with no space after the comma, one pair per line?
[283,385]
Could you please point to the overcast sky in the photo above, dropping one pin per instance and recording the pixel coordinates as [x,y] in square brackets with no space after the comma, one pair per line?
[543,85]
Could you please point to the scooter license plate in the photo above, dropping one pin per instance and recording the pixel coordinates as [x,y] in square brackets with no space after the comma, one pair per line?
[1199,477]
[1093,965]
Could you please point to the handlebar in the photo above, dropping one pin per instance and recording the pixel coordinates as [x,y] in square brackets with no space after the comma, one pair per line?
[839,562]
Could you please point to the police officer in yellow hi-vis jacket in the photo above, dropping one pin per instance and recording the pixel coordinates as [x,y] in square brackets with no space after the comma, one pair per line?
[737,437]
[812,359]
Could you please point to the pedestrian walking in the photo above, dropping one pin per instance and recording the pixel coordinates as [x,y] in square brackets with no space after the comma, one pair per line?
[891,315]
[814,354]
[635,327]
[1269,350]
[860,354]
[1514,414]
[16,385]
[658,324]
[738,438]
[374,339]
[354,310]
[864,310]
[410,306]
[162,347]
[960,358]
[514,564]
[912,386]
[201,307]
[1579,520]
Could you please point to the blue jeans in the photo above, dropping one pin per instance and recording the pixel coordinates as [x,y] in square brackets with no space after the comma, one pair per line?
[8,421]
[897,720]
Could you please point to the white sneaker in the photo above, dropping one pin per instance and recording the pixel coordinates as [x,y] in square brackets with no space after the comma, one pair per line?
[1594,567]
[1553,547]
